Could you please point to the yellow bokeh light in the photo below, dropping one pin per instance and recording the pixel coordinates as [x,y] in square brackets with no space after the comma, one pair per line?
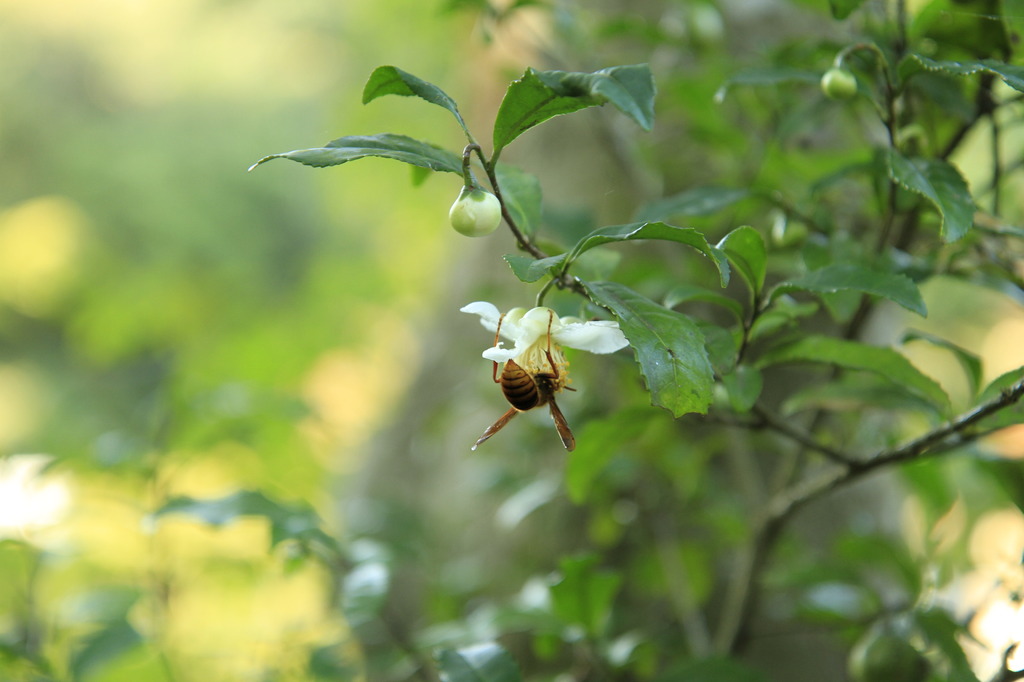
[40,240]
[237,627]
[350,390]
[21,403]
[1003,348]
[997,540]
[152,53]
[1003,351]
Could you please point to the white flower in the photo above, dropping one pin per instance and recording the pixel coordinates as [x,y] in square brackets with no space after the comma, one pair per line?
[528,330]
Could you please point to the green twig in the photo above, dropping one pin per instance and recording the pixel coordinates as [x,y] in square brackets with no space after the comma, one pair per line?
[544,291]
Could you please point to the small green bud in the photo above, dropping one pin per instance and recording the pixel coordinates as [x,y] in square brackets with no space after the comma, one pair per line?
[839,84]
[475,213]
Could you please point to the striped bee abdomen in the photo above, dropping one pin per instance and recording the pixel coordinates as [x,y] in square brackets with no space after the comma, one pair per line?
[520,388]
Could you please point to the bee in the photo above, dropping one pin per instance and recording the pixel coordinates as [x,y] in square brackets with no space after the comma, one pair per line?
[525,390]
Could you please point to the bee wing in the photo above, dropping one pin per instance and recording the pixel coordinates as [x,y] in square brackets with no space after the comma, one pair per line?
[496,426]
[564,432]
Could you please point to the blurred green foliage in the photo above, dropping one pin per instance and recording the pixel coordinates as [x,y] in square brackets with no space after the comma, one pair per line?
[236,408]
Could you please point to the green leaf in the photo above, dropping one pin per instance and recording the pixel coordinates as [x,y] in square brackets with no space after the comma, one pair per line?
[1012,414]
[522,196]
[418,175]
[486,662]
[1008,475]
[745,249]
[287,522]
[598,442]
[529,269]
[970,362]
[743,386]
[104,647]
[699,201]
[721,345]
[657,230]
[841,305]
[855,393]
[1011,74]
[1013,22]
[540,95]
[384,145]
[771,76]
[332,662]
[881,554]
[885,362]
[942,185]
[390,80]
[1001,383]
[685,293]
[897,288]
[944,633]
[668,346]
[584,594]
[844,8]
[782,314]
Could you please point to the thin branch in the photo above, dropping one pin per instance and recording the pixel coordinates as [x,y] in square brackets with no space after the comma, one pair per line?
[741,595]
[492,177]
[984,106]
[743,589]
[890,218]
[901,27]
[804,438]
[996,164]
[523,241]
[921,445]
[958,137]
[932,443]
[562,281]
[777,199]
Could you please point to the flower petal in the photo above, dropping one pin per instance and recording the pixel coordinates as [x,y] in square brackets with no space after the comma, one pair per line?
[526,333]
[499,354]
[598,336]
[535,324]
[488,313]
[511,324]
[489,317]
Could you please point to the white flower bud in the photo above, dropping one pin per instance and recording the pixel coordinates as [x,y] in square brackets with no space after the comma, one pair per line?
[475,213]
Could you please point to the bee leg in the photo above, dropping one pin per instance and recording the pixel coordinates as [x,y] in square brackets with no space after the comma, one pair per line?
[551,361]
[547,351]
[497,338]
[496,426]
